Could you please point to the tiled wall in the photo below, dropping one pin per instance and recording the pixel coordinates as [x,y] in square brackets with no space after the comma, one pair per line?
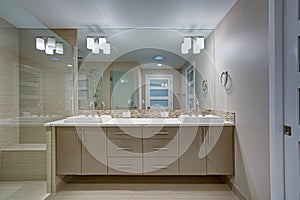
[228,116]
[9,83]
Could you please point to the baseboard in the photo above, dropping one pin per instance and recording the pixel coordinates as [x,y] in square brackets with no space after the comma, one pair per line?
[233,188]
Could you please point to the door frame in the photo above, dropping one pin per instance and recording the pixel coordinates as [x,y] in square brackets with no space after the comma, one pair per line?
[276,108]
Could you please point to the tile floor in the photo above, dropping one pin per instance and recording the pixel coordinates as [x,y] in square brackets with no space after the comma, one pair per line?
[147,191]
[23,190]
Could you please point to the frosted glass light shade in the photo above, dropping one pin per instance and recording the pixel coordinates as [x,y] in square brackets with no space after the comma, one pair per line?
[106,49]
[102,42]
[196,47]
[51,43]
[59,49]
[200,42]
[48,50]
[40,43]
[186,45]
[90,43]
[96,49]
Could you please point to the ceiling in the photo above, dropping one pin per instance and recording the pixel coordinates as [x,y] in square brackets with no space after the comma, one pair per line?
[187,14]
[128,24]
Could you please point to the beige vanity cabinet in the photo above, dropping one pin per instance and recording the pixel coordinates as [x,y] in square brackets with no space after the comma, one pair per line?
[94,156]
[124,150]
[160,150]
[190,141]
[183,150]
[68,151]
[80,151]
[220,158]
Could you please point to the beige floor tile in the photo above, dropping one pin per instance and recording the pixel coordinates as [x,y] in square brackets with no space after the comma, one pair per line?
[23,190]
[145,192]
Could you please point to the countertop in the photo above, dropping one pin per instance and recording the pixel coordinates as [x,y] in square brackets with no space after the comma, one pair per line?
[136,122]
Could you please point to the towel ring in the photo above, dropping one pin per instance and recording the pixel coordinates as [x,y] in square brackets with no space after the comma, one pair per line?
[224,78]
[204,85]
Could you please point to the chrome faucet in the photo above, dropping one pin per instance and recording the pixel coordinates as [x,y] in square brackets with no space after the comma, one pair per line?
[103,105]
[197,107]
[92,104]
[190,105]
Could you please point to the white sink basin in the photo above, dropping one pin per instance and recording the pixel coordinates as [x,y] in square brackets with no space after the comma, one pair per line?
[200,119]
[35,119]
[88,119]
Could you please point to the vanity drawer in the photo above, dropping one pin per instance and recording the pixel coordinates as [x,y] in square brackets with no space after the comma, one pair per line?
[124,147]
[160,166]
[125,165]
[124,132]
[160,132]
[160,147]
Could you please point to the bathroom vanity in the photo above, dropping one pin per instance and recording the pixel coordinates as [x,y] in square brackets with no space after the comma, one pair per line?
[142,146]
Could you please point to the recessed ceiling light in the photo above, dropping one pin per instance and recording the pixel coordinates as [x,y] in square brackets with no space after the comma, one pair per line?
[158,58]
[159,65]
[55,58]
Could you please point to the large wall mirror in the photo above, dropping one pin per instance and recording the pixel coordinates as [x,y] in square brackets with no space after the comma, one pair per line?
[146,69]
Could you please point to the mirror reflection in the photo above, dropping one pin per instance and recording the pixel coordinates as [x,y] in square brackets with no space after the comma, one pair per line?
[146,69]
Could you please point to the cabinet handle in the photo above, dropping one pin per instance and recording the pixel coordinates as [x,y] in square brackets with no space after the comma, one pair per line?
[124,148]
[124,166]
[160,167]
[161,148]
[161,133]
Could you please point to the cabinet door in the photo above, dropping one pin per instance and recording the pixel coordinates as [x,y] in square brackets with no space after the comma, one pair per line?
[220,151]
[191,139]
[94,158]
[68,151]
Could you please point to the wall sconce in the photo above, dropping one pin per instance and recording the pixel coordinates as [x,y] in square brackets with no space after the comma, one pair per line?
[196,42]
[49,44]
[96,44]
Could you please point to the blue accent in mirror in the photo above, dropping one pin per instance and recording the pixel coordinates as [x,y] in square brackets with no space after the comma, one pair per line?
[158,58]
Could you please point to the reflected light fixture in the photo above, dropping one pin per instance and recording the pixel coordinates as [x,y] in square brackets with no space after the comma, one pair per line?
[49,44]
[96,44]
[158,58]
[186,45]
[194,43]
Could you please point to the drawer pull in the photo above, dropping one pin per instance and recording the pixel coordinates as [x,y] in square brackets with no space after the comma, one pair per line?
[122,133]
[161,148]
[124,148]
[161,133]
[160,167]
[124,166]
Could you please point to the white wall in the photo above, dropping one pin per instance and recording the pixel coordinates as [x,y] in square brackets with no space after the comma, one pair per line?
[241,41]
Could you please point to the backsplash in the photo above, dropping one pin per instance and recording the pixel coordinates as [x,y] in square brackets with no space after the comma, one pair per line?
[228,116]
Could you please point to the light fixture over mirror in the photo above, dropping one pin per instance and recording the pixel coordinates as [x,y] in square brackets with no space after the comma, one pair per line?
[96,44]
[197,43]
[49,44]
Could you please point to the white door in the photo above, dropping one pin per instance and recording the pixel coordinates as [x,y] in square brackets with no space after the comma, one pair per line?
[159,92]
[291,98]
[190,88]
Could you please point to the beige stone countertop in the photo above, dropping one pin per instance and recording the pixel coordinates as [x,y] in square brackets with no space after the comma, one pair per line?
[136,122]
